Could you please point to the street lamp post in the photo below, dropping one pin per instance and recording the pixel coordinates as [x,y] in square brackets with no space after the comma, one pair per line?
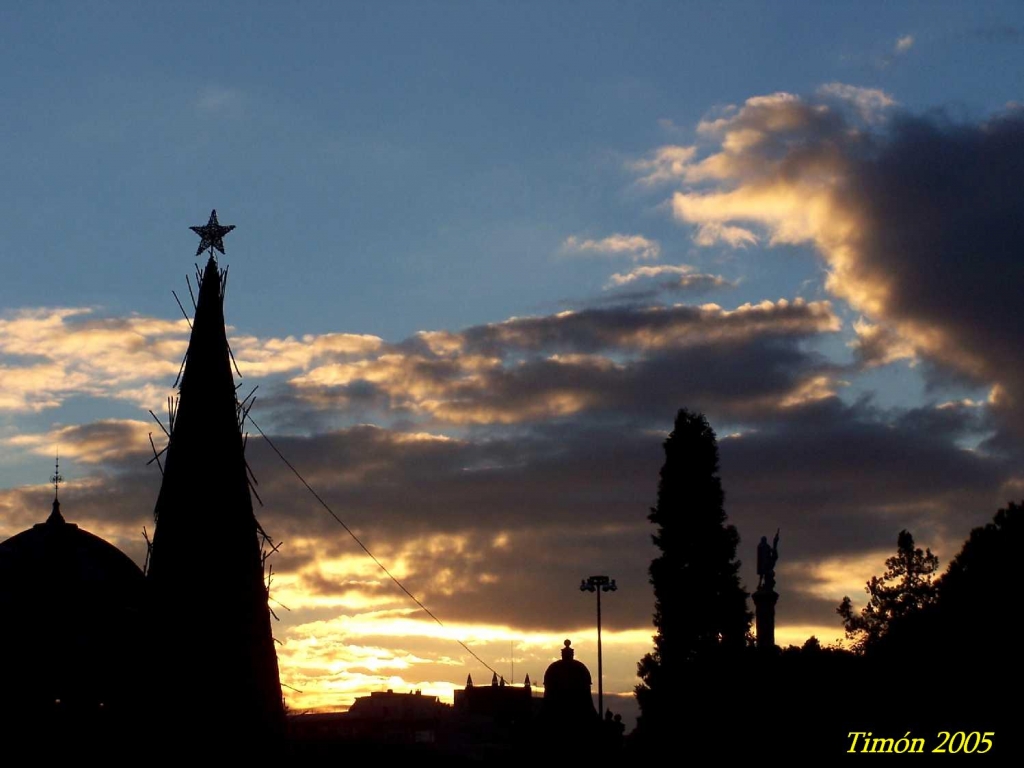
[599,584]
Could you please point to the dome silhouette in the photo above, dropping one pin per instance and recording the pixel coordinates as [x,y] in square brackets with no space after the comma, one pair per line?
[71,604]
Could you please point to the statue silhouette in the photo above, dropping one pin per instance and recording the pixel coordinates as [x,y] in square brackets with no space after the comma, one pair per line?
[767,556]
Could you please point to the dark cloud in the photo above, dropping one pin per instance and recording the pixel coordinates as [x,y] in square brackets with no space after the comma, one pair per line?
[628,293]
[842,481]
[839,480]
[737,379]
[625,328]
[624,362]
[943,234]
[500,525]
[917,217]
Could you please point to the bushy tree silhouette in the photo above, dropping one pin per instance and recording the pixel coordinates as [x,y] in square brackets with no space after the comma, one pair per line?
[904,590]
[701,611]
[987,563]
[977,592]
[965,625]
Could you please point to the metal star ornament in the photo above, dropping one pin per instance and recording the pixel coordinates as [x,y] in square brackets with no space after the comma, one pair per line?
[212,234]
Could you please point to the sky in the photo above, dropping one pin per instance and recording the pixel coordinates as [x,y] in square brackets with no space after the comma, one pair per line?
[484,253]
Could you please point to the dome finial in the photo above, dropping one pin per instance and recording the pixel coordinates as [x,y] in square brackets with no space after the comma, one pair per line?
[56,479]
[568,651]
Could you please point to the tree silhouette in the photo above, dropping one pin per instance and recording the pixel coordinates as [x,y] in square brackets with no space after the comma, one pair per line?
[986,564]
[980,586]
[700,608]
[966,623]
[903,591]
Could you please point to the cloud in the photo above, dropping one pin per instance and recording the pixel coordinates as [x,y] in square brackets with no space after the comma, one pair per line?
[93,443]
[54,353]
[522,370]
[920,474]
[637,247]
[713,232]
[639,273]
[50,354]
[682,276]
[263,357]
[466,521]
[665,164]
[659,280]
[903,44]
[871,103]
[876,345]
[33,388]
[918,224]
[645,328]
[617,359]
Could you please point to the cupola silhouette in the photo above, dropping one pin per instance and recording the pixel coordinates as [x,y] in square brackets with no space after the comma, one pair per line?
[71,605]
[567,684]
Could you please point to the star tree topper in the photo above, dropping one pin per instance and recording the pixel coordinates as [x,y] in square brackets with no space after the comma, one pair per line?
[212,234]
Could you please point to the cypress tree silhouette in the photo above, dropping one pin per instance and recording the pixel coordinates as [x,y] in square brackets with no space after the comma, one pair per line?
[700,608]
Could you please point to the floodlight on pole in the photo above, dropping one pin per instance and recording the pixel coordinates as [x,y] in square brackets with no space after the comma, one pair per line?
[599,584]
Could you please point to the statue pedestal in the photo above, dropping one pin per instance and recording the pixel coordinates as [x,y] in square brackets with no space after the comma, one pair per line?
[764,618]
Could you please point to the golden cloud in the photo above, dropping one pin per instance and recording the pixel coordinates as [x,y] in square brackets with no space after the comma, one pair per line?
[535,368]
[640,273]
[815,172]
[636,247]
[93,443]
[66,351]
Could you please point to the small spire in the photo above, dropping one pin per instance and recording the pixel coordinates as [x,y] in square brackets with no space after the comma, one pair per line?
[526,682]
[56,478]
[55,516]
[494,680]
[502,683]
[469,681]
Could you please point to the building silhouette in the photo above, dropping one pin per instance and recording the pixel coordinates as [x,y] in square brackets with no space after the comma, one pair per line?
[71,641]
[567,685]
[497,702]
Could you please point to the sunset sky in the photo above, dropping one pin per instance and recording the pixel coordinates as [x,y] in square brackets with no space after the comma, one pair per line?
[484,252]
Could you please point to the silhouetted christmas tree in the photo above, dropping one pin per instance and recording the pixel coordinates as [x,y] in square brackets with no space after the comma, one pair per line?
[214,678]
